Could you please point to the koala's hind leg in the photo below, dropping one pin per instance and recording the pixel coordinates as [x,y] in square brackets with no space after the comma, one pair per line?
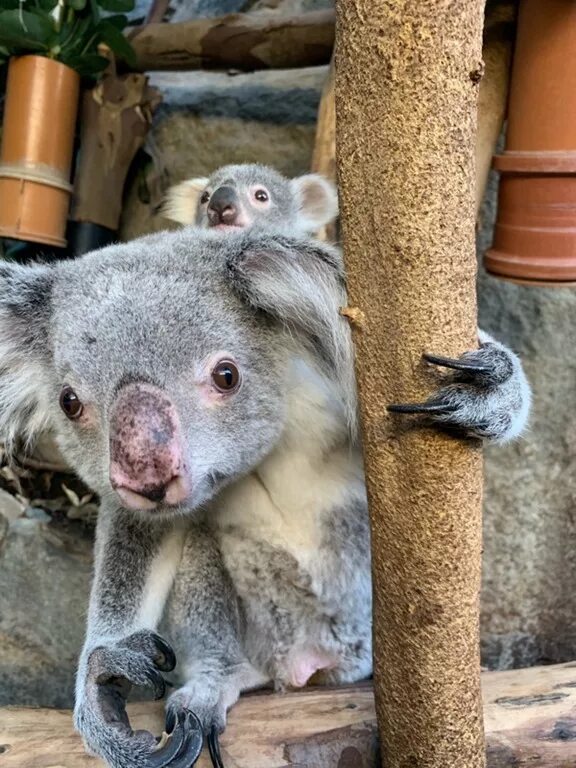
[486,395]
[205,623]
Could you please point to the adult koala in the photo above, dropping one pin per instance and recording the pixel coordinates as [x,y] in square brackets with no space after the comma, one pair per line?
[202,383]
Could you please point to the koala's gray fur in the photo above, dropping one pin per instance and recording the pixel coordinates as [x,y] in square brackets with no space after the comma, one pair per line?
[262,574]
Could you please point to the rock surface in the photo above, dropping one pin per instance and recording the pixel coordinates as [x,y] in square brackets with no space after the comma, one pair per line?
[45,573]
[529,596]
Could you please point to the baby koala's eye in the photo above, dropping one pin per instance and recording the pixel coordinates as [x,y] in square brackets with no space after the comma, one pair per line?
[70,403]
[226,376]
[261,195]
[205,197]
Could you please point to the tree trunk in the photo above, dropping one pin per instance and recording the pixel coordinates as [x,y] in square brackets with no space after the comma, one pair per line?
[237,41]
[407,76]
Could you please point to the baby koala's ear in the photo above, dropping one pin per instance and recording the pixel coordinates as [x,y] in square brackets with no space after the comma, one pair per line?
[318,200]
[181,202]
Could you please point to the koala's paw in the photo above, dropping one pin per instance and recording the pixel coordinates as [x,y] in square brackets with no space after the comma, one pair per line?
[100,714]
[204,699]
[209,700]
[486,396]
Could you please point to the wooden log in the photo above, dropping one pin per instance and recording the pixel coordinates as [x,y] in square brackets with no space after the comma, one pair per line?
[236,41]
[116,116]
[406,100]
[492,99]
[324,154]
[530,718]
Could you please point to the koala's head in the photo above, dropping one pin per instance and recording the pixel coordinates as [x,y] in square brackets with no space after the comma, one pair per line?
[248,195]
[164,367]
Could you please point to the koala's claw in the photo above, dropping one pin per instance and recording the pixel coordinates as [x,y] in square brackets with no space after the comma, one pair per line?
[214,748]
[181,747]
[458,364]
[427,407]
[101,716]
[486,394]
[165,658]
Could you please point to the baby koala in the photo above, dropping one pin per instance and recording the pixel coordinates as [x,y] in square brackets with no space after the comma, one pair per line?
[251,195]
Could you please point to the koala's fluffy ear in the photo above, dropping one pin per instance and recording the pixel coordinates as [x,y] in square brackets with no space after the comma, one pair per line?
[182,201]
[24,351]
[318,201]
[301,283]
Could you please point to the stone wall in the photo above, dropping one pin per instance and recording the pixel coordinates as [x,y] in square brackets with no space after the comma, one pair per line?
[529,596]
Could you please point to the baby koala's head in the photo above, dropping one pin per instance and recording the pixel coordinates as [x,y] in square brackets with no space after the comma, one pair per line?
[251,195]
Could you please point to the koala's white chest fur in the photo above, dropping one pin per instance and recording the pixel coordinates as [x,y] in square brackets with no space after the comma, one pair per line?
[299,576]
[284,502]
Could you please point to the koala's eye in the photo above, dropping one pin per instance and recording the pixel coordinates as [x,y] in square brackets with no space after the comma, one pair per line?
[205,197]
[70,403]
[226,376]
[261,195]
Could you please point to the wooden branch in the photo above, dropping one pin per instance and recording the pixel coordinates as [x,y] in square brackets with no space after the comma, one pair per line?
[116,116]
[324,155]
[406,99]
[493,96]
[237,41]
[530,718]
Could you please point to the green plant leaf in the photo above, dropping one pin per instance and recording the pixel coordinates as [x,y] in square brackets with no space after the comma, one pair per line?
[23,30]
[78,5]
[9,5]
[114,38]
[118,20]
[47,5]
[116,6]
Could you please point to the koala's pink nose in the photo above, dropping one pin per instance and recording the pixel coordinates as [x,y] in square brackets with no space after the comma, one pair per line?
[147,464]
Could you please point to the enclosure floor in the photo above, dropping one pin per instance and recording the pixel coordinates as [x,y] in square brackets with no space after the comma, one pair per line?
[530,719]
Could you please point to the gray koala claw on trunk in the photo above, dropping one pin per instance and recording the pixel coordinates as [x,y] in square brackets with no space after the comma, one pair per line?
[486,397]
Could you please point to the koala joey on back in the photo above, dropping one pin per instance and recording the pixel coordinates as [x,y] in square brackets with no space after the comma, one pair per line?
[252,195]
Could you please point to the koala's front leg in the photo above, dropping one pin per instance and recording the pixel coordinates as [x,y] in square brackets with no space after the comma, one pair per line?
[130,587]
[205,621]
[486,396]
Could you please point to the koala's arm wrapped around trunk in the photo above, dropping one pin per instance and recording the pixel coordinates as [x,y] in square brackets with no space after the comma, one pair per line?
[135,563]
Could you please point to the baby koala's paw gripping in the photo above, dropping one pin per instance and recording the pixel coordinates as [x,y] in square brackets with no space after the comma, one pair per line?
[487,395]
[100,714]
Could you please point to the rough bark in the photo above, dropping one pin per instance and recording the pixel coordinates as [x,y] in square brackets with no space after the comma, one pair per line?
[324,155]
[116,116]
[237,41]
[529,716]
[407,76]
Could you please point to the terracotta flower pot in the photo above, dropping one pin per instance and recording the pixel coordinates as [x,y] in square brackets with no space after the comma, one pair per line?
[37,144]
[535,235]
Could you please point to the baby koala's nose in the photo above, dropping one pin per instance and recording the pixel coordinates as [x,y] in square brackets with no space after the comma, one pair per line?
[223,206]
[147,466]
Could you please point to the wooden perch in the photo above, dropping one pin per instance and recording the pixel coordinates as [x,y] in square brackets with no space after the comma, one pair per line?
[497,54]
[406,105]
[324,155]
[237,41]
[530,717]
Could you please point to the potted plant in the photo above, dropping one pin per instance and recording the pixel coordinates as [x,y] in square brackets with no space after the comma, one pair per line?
[49,46]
